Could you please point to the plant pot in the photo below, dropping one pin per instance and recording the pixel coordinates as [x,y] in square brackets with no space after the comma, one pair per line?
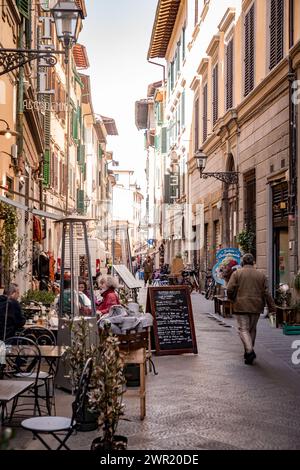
[118,443]
[87,420]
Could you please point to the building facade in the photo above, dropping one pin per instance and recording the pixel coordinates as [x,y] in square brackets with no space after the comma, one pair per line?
[240,67]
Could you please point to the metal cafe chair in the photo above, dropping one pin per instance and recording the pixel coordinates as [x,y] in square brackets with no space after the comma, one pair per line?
[44,337]
[23,361]
[55,425]
[40,335]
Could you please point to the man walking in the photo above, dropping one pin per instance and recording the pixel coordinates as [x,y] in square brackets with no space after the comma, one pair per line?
[248,290]
[148,270]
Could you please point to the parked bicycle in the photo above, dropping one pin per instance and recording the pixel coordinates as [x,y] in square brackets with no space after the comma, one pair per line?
[211,288]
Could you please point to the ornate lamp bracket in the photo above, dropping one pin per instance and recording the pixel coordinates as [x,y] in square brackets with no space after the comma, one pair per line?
[12,59]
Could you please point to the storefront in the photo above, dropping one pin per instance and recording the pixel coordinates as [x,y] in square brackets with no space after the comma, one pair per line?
[280,233]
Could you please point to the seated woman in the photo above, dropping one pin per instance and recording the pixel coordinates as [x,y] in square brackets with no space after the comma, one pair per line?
[108,286]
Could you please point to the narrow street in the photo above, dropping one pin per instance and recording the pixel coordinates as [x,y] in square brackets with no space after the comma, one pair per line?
[211,400]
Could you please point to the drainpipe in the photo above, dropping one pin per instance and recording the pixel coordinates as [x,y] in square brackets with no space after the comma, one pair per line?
[292,142]
[160,65]
[20,106]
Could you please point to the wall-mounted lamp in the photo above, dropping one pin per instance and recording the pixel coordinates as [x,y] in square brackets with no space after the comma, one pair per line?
[7,133]
[227,177]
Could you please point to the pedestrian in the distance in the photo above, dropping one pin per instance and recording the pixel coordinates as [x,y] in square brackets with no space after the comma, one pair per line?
[148,270]
[248,290]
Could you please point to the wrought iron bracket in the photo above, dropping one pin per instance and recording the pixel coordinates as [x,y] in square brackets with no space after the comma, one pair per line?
[227,177]
[12,59]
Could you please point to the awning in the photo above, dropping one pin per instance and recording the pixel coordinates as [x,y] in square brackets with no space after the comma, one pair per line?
[13,203]
[166,14]
[141,114]
[19,205]
[110,125]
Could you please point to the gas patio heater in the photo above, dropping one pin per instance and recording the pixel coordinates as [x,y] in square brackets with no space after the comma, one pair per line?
[75,265]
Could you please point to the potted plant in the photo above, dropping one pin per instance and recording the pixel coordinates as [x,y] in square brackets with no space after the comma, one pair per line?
[81,349]
[106,394]
[43,297]
[246,240]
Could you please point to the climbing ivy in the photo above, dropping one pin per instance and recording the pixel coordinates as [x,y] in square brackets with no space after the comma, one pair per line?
[8,239]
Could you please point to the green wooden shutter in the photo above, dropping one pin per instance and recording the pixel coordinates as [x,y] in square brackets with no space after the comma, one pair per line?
[74,125]
[81,154]
[80,201]
[24,7]
[46,168]
[163,140]
[100,152]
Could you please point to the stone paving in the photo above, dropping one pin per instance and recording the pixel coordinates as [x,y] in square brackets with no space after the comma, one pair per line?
[211,400]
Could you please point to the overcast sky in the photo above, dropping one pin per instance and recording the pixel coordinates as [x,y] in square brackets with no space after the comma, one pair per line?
[117,36]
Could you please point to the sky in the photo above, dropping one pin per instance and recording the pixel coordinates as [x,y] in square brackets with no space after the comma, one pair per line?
[117,35]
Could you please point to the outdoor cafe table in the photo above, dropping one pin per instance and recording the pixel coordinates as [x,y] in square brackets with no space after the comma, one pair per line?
[10,389]
[50,353]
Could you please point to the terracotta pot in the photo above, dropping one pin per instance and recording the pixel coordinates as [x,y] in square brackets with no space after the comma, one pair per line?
[119,443]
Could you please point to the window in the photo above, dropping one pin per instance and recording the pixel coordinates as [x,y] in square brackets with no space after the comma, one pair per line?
[276,31]
[196,124]
[183,43]
[229,75]
[204,125]
[249,51]
[177,56]
[172,76]
[196,12]
[215,85]
[183,109]
[250,202]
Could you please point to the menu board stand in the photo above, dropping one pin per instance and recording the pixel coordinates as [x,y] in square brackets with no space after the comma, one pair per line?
[173,322]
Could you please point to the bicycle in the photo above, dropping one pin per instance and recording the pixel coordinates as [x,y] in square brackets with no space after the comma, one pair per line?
[190,279]
[211,289]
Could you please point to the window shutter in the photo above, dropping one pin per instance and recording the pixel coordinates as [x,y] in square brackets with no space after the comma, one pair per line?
[46,168]
[249,51]
[74,125]
[196,127]
[229,75]
[163,140]
[183,43]
[24,7]
[47,121]
[100,152]
[183,109]
[80,201]
[196,12]
[204,129]
[276,31]
[215,94]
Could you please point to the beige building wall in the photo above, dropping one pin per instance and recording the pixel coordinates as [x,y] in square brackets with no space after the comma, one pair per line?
[255,132]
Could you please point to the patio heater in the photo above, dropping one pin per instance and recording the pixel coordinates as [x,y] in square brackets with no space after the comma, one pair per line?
[75,264]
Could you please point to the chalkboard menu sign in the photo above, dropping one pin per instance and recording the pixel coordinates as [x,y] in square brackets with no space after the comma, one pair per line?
[174,331]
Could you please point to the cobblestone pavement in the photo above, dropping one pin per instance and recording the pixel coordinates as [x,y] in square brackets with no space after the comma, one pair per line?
[212,400]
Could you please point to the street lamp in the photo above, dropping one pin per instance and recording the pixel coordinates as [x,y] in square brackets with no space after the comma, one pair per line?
[68,19]
[227,177]
[8,133]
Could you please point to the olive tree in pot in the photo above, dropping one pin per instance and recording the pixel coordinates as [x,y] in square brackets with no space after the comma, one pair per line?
[105,397]
[82,348]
